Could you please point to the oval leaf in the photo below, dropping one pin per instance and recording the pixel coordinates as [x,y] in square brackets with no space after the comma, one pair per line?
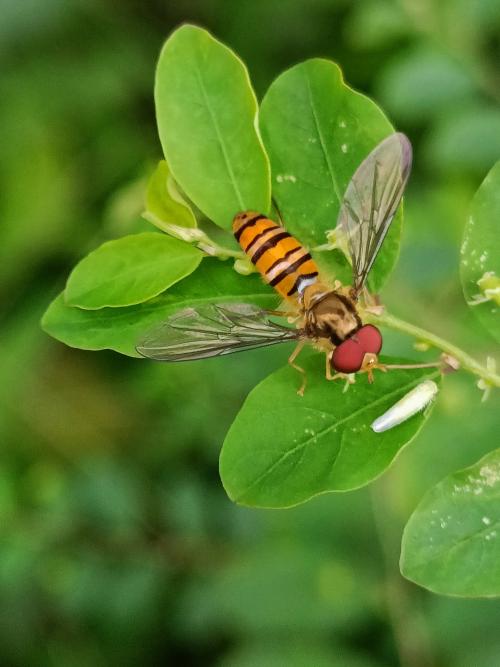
[164,202]
[282,449]
[451,544]
[206,111]
[317,131]
[480,254]
[120,328]
[130,270]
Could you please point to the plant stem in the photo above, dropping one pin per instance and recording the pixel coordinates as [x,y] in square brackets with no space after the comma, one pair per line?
[466,361]
[195,236]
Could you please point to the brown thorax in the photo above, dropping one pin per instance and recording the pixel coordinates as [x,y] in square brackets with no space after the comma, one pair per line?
[329,313]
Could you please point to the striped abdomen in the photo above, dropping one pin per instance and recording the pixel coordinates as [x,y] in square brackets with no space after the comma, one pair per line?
[280,258]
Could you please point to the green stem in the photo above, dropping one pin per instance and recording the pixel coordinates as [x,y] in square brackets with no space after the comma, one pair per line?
[195,236]
[466,361]
[215,250]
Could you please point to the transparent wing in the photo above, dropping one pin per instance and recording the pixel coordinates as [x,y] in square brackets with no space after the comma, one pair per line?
[213,330]
[371,201]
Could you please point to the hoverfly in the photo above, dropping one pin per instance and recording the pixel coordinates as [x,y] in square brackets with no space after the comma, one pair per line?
[325,315]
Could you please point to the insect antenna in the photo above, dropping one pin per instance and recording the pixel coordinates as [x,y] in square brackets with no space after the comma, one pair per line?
[275,204]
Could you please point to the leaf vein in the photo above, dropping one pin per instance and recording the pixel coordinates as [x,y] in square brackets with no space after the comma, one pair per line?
[303,445]
[322,142]
[222,144]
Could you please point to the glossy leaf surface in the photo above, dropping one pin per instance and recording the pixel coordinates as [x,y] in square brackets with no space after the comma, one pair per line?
[206,112]
[130,270]
[164,202]
[120,328]
[480,254]
[282,449]
[451,543]
[317,131]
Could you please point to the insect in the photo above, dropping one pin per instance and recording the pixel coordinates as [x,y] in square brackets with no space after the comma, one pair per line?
[324,314]
[414,401]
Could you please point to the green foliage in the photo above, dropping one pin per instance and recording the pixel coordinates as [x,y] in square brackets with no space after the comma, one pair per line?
[129,271]
[480,254]
[316,443]
[119,544]
[164,202]
[451,544]
[206,111]
[119,329]
[281,449]
[317,131]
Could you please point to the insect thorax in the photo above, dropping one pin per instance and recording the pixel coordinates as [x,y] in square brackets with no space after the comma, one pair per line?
[329,314]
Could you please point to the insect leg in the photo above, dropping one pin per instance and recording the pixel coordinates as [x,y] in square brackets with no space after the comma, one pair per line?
[372,303]
[328,369]
[282,313]
[447,364]
[291,361]
[349,378]
[275,204]
[432,364]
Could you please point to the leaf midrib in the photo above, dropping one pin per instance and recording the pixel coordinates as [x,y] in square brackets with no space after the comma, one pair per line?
[147,309]
[322,141]
[220,139]
[304,444]
[151,269]
[446,551]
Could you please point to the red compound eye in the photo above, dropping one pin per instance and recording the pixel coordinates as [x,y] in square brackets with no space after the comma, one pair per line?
[370,338]
[348,356]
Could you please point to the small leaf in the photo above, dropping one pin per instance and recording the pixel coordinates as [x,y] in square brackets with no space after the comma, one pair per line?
[120,328]
[451,544]
[164,202]
[480,254]
[130,270]
[283,449]
[206,113]
[317,131]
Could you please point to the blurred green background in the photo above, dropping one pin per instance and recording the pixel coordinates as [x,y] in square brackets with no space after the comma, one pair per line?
[118,545]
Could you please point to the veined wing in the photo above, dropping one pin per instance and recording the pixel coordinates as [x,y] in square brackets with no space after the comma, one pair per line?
[213,330]
[371,201]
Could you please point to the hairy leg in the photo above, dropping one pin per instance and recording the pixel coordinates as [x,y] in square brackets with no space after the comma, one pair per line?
[328,369]
[291,361]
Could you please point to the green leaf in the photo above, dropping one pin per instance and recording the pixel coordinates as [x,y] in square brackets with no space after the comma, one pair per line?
[282,449]
[206,113]
[451,544]
[164,202]
[120,328]
[317,131]
[130,270]
[480,254]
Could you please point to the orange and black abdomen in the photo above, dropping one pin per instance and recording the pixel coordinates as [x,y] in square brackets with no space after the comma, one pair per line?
[280,258]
